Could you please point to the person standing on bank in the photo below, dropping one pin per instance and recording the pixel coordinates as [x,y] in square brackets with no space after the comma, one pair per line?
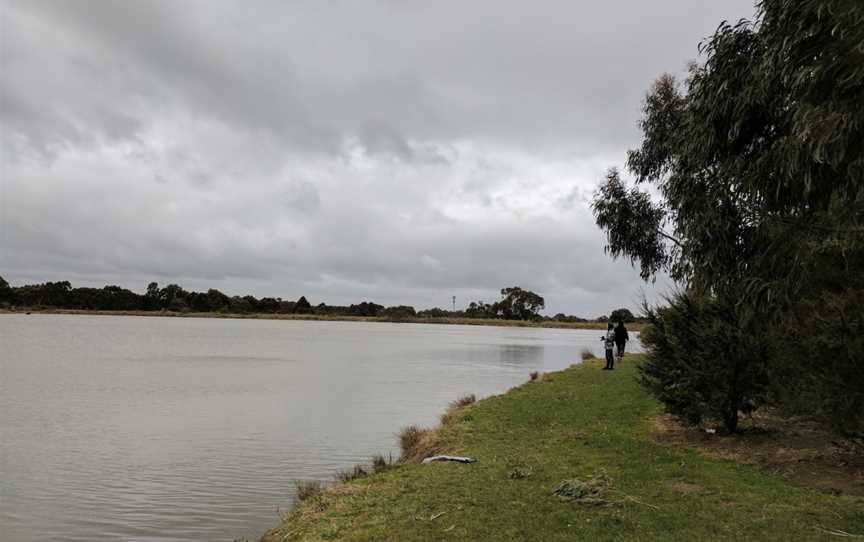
[621,338]
[609,340]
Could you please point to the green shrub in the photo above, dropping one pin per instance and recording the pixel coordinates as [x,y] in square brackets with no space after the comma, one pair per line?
[706,359]
[818,361]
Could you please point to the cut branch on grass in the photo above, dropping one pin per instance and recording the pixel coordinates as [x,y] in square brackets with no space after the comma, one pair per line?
[631,498]
[838,532]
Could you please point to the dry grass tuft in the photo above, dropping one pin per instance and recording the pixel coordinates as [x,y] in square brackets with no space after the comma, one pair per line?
[381,463]
[455,406]
[352,474]
[307,489]
[464,401]
[416,444]
[447,417]
[586,353]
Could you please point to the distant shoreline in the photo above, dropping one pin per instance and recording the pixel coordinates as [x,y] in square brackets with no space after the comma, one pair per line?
[329,318]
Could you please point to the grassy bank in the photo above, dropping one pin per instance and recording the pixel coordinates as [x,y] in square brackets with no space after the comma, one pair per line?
[330,318]
[580,424]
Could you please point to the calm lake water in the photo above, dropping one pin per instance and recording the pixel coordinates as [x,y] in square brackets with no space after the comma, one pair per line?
[169,429]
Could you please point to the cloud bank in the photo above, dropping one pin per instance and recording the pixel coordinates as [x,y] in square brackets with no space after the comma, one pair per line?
[400,152]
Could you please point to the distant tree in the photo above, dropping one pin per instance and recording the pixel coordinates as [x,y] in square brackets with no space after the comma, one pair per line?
[365,308]
[401,311]
[561,317]
[7,295]
[195,301]
[239,304]
[480,309]
[172,297]
[302,306]
[434,312]
[622,315]
[216,300]
[151,298]
[268,304]
[116,298]
[519,304]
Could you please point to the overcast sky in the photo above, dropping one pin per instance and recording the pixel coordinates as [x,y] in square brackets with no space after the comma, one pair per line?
[395,151]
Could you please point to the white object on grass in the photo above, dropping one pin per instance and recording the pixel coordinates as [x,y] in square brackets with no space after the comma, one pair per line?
[449,458]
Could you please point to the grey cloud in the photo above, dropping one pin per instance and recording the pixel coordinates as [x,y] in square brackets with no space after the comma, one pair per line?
[400,151]
[312,72]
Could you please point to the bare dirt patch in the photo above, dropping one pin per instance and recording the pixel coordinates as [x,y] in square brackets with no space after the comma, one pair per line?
[796,448]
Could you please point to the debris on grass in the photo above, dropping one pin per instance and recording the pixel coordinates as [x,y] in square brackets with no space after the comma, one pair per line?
[838,532]
[518,473]
[591,491]
[586,354]
[433,517]
[456,458]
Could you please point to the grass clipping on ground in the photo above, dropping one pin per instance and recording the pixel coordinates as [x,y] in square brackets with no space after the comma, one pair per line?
[592,491]
[563,457]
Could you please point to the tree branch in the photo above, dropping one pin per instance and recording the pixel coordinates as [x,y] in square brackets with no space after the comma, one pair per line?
[669,237]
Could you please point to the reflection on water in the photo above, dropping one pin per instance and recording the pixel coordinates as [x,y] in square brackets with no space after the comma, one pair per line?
[121,428]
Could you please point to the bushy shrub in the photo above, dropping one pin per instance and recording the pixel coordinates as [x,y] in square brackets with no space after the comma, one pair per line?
[818,361]
[706,359]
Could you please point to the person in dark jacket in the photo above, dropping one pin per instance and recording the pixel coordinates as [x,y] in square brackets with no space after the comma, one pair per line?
[621,338]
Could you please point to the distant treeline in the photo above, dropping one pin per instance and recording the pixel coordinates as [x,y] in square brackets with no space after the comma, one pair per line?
[515,303]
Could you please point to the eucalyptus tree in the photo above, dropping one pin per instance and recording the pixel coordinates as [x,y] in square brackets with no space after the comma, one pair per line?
[749,191]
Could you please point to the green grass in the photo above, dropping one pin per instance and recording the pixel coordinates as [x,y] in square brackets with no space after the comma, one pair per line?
[581,423]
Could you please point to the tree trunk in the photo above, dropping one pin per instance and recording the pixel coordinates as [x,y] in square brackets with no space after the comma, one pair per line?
[731,420]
